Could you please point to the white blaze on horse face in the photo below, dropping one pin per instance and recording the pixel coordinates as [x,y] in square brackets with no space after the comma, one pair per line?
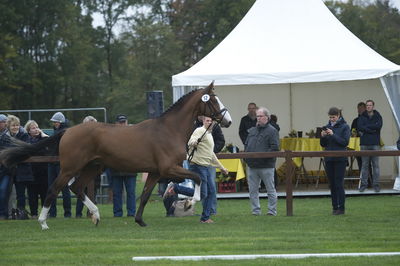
[227,121]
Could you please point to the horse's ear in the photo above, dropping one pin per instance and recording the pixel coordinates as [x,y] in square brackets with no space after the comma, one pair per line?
[210,88]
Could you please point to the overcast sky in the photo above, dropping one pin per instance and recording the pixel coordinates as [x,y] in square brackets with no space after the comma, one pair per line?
[395,3]
[98,19]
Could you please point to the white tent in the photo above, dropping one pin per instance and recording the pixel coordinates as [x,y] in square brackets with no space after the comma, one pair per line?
[297,59]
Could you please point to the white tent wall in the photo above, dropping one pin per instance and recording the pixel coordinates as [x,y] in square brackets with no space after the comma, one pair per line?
[308,62]
[310,104]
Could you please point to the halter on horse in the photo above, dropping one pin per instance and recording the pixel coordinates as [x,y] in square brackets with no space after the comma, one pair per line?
[156,146]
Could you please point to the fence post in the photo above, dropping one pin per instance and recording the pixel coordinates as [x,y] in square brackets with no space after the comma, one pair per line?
[289,186]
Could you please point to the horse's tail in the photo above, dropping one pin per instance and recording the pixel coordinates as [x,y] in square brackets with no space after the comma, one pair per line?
[21,151]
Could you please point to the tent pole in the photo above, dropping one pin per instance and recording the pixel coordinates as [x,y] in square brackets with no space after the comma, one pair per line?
[290,107]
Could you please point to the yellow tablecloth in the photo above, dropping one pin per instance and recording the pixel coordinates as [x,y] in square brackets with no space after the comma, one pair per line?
[234,165]
[310,144]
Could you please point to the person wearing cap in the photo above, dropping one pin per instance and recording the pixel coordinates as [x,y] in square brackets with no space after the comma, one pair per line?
[59,124]
[117,181]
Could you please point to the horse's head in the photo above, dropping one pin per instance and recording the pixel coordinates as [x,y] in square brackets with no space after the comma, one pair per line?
[214,108]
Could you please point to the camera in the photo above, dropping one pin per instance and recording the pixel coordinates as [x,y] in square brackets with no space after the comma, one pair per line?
[324,128]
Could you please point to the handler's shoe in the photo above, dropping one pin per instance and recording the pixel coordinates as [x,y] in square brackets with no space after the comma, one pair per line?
[338,212]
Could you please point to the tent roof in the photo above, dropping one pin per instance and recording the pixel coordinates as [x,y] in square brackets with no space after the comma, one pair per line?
[287,41]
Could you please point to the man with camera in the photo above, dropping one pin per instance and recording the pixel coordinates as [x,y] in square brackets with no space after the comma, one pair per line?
[335,137]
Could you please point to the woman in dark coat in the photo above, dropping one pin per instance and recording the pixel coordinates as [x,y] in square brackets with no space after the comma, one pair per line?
[38,187]
[336,136]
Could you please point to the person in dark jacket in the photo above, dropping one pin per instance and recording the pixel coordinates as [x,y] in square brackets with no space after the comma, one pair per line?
[5,175]
[219,143]
[248,121]
[262,138]
[119,179]
[335,137]
[23,172]
[38,187]
[370,125]
[361,107]
[274,122]
[59,124]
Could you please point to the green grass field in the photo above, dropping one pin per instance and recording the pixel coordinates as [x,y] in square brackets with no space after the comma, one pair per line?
[371,224]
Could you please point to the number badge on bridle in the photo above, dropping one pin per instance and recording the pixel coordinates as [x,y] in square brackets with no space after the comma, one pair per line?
[205,98]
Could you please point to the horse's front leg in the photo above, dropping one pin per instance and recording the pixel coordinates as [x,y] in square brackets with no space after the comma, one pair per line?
[148,188]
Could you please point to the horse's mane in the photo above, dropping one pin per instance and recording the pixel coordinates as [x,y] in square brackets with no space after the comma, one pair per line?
[179,102]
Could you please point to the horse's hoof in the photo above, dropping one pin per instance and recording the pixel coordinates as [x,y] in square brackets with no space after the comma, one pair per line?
[44,226]
[141,223]
[95,220]
[95,216]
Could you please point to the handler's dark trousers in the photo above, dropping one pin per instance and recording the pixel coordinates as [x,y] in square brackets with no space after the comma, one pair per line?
[335,171]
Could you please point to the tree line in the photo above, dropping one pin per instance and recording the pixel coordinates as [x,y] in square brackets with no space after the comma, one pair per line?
[52,57]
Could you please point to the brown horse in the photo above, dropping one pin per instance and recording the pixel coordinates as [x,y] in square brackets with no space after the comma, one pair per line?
[156,146]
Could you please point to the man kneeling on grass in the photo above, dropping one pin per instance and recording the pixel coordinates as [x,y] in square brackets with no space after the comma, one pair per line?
[173,205]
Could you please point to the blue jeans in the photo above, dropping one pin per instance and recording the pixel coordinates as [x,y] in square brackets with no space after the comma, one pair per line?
[4,195]
[53,171]
[365,166]
[207,189]
[187,191]
[130,187]
[213,174]
[335,171]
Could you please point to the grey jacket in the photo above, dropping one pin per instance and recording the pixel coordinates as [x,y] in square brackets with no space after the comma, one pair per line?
[262,139]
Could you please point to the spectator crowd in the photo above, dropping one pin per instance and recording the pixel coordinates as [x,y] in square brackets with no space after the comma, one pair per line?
[258,131]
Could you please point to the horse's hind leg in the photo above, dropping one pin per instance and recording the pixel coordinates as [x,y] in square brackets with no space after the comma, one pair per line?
[86,176]
[148,188]
[60,182]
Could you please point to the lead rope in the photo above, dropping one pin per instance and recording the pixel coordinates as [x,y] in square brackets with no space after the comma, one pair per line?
[190,157]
